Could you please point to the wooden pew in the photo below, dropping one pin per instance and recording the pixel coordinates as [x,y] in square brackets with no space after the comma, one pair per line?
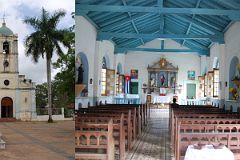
[202,115]
[231,140]
[135,112]
[144,112]
[195,112]
[103,140]
[188,119]
[131,116]
[212,126]
[99,117]
[135,117]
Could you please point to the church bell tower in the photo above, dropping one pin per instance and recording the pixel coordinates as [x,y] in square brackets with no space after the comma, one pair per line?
[8,50]
[17,94]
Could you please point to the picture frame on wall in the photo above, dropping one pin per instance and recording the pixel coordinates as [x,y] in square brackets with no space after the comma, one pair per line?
[149,98]
[134,74]
[191,75]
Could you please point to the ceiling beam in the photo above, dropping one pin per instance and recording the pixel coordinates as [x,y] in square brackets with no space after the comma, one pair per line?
[201,52]
[124,21]
[83,9]
[132,21]
[190,24]
[198,24]
[108,35]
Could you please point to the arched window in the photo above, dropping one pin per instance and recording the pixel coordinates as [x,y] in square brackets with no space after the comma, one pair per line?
[107,78]
[104,77]
[119,80]
[216,77]
[6,47]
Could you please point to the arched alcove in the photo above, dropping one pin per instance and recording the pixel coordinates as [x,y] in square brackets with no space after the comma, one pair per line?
[82,59]
[119,68]
[232,73]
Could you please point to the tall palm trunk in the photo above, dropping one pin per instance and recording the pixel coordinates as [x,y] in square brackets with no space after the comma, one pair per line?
[49,90]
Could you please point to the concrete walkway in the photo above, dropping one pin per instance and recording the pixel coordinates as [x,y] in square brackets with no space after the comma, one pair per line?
[155,141]
[38,140]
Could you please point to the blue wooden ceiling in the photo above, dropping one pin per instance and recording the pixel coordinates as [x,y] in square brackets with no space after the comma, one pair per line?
[195,24]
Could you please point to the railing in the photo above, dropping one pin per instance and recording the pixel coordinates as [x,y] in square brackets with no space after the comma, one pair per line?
[193,102]
[229,105]
[126,100]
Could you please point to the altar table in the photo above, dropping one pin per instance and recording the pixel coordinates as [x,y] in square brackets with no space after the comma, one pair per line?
[161,99]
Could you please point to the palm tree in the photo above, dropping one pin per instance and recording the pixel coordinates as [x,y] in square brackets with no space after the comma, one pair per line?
[44,42]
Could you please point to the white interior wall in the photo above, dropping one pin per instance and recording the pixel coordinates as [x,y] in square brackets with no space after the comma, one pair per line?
[225,53]
[85,42]
[232,48]
[185,62]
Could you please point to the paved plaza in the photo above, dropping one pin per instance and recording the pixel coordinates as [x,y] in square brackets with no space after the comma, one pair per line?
[38,140]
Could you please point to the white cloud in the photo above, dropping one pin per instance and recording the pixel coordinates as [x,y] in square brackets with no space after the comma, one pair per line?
[16,11]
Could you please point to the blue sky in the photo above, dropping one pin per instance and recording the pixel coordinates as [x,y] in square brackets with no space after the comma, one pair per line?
[16,11]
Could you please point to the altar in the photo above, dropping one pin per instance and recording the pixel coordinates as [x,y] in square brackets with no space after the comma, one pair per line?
[162,81]
[160,99]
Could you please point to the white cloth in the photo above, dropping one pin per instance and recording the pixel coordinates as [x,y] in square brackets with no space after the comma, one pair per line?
[161,99]
[208,153]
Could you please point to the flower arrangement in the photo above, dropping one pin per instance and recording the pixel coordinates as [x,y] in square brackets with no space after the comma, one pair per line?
[234,93]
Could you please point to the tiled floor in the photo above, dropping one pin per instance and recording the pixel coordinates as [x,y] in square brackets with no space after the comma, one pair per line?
[154,143]
[38,140]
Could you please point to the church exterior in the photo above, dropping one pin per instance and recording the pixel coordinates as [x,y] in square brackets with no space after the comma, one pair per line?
[17,94]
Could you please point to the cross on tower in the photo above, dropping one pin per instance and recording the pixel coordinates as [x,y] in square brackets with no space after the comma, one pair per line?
[4,17]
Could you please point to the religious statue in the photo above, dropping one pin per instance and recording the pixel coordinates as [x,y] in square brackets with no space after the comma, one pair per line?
[80,74]
[152,82]
[173,82]
[162,79]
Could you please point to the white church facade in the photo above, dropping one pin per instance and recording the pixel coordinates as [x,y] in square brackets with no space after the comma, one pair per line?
[17,94]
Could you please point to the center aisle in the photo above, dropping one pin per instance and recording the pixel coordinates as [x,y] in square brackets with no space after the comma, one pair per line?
[154,143]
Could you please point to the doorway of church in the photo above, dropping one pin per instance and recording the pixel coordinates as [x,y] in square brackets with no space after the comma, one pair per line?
[6,107]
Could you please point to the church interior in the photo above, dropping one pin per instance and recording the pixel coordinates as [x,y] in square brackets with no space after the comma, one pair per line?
[157,79]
